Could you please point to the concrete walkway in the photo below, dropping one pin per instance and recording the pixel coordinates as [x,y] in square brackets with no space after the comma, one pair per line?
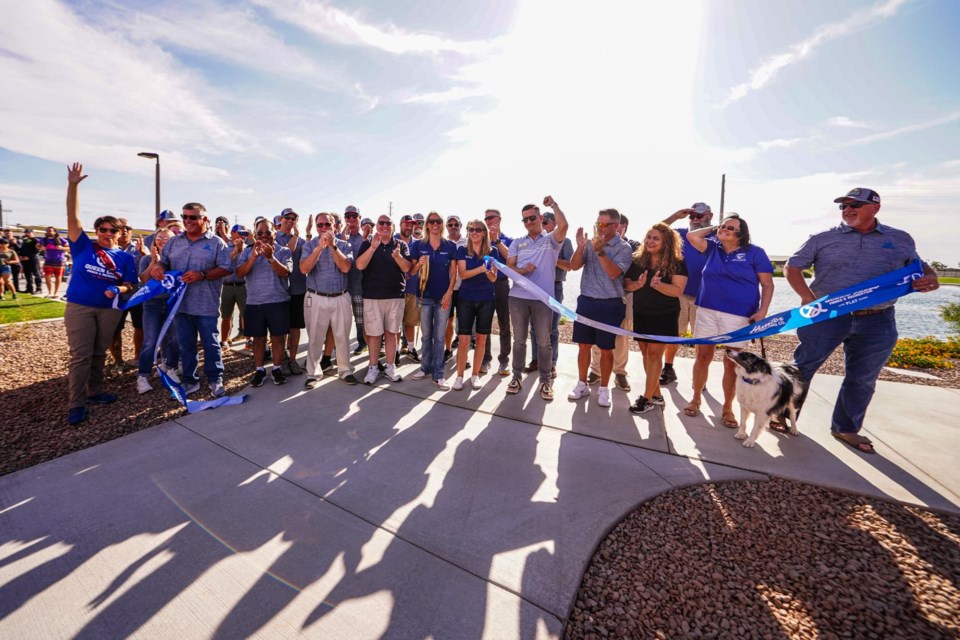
[399,511]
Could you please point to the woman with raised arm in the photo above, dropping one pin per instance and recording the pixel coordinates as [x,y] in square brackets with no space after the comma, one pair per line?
[101,271]
[736,291]
[475,302]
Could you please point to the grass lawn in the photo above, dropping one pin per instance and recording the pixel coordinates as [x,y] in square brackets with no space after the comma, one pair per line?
[27,307]
[949,280]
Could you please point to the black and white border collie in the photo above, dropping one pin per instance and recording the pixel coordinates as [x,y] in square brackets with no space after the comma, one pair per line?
[766,390]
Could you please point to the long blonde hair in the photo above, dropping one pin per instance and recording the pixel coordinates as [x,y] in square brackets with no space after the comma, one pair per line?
[484,242]
[672,251]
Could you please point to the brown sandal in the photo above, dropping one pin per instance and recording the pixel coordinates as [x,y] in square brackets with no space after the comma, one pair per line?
[730,420]
[692,410]
[855,441]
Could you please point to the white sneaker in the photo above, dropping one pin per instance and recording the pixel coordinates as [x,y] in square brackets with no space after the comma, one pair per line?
[143,385]
[390,371]
[458,383]
[442,384]
[603,397]
[579,391]
[171,373]
[372,374]
[475,382]
[419,374]
[217,390]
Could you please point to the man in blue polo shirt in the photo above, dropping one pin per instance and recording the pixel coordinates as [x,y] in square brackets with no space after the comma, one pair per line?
[700,215]
[604,260]
[534,256]
[204,260]
[858,249]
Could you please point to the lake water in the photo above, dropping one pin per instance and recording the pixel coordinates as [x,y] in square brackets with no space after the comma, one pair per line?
[918,314]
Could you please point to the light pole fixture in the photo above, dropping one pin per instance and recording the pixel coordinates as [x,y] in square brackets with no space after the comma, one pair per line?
[154,156]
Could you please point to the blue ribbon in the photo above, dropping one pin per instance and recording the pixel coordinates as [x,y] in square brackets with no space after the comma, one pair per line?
[173,284]
[868,293]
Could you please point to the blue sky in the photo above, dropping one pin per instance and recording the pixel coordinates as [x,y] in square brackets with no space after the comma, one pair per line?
[259,105]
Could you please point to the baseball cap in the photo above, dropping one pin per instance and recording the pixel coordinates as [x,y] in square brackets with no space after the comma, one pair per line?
[239,228]
[166,214]
[351,209]
[701,207]
[861,194]
[407,218]
[365,222]
[276,220]
[418,217]
[288,211]
[549,215]
[457,218]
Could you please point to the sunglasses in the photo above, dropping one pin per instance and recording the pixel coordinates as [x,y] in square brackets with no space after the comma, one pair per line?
[348,216]
[475,229]
[261,234]
[729,227]
[419,224]
[529,218]
[453,225]
[294,218]
[852,205]
[189,217]
[697,215]
[112,230]
[383,223]
[604,225]
[324,225]
[434,221]
[488,218]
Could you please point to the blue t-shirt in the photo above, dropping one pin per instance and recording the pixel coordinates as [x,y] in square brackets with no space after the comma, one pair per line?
[440,259]
[476,288]
[383,279]
[93,274]
[695,261]
[730,281]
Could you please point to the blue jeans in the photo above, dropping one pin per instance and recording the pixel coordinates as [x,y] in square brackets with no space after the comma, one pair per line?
[867,343]
[154,315]
[188,327]
[554,326]
[433,327]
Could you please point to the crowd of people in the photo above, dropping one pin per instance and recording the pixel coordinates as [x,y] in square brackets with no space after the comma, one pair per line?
[374,284]
[39,260]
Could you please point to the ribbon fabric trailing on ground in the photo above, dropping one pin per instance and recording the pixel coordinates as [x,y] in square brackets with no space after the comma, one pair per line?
[173,284]
[868,293]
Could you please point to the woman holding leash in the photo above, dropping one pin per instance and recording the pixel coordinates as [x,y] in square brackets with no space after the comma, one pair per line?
[736,291]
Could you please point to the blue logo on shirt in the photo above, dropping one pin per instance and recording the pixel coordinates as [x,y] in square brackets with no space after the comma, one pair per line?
[206,247]
[888,245]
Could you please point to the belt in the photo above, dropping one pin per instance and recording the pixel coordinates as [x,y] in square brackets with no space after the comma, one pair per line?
[326,295]
[234,284]
[869,312]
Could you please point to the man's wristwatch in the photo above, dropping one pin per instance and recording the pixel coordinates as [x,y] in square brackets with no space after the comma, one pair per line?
[203,275]
[602,252]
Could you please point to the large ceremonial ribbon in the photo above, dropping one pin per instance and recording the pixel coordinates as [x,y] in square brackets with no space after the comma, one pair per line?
[173,284]
[874,291]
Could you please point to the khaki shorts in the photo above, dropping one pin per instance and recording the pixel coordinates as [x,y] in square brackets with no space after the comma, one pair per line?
[711,322]
[411,315]
[688,314]
[382,316]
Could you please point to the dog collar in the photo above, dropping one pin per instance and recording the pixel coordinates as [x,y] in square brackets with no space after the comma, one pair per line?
[749,381]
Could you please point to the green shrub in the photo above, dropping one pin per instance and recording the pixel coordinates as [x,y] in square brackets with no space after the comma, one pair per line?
[951,313]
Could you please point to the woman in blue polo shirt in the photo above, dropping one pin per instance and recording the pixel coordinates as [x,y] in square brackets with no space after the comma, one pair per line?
[736,291]
[101,271]
[475,302]
[441,254]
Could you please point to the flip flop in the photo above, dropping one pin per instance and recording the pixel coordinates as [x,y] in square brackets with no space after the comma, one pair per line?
[692,410]
[730,420]
[779,427]
[855,441]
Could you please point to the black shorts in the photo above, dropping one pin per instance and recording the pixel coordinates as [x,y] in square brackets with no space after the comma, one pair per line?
[453,303]
[470,311]
[275,316]
[660,324]
[297,320]
[136,317]
[609,311]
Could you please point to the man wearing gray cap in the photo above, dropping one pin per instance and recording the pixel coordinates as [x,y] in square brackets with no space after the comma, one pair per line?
[700,215]
[165,218]
[857,249]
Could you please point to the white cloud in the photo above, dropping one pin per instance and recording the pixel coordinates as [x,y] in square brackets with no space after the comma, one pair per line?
[333,24]
[780,143]
[912,128]
[767,72]
[85,94]
[844,121]
[452,95]
[298,144]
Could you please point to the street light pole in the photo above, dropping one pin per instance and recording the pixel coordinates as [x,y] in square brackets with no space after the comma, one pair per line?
[154,156]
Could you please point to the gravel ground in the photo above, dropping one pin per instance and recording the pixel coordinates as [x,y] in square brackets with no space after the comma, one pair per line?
[775,559]
[742,559]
